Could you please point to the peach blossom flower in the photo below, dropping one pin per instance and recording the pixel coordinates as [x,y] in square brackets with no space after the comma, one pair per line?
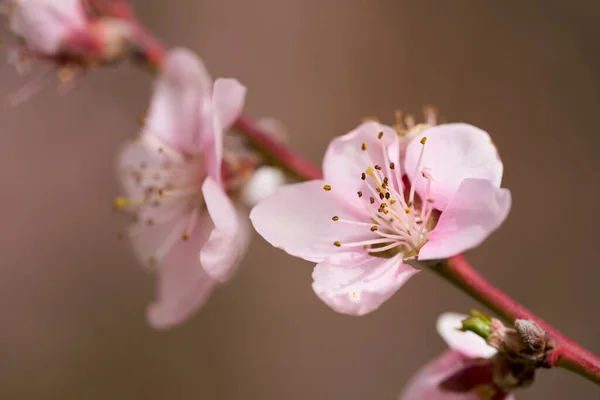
[61,35]
[186,225]
[45,25]
[464,372]
[379,206]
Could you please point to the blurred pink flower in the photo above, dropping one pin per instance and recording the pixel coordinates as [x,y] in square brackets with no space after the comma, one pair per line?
[44,25]
[61,35]
[464,372]
[378,206]
[186,225]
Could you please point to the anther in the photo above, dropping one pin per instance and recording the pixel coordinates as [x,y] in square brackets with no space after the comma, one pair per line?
[337,243]
[363,146]
[142,119]
[160,192]
[327,188]
[387,195]
[407,210]
[393,201]
[392,165]
[152,260]
[66,74]
[363,176]
[373,228]
[120,203]
[359,193]
[185,236]
[150,222]
[378,167]
[424,140]
[335,218]
[381,196]
[379,135]
[372,200]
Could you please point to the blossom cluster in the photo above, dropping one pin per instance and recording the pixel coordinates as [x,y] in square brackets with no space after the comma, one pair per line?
[391,198]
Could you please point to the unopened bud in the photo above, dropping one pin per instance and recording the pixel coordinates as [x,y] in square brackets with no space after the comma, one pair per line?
[531,333]
[478,323]
[526,343]
[104,41]
[263,183]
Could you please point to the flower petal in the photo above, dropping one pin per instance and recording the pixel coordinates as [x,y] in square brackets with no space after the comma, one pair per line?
[468,343]
[453,152]
[358,283]
[181,102]
[228,100]
[426,383]
[345,160]
[183,285]
[44,24]
[477,209]
[298,219]
[226,107]
[228,240]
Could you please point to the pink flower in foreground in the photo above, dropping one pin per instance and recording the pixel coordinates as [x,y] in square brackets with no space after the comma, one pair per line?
[378,206]
[465,372]
[186,225]
[63,36]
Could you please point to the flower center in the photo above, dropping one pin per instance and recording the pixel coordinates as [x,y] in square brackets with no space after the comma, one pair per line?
[399,219]
[169,186]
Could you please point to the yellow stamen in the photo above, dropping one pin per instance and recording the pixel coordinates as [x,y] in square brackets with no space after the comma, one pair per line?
[122,202]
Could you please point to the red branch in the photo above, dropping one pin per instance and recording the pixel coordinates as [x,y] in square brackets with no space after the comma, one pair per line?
[282,155]
[457,270]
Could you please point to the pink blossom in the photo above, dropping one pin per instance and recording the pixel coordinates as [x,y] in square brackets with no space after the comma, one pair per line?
[379,206]
[186,228]
[60,35]
[464,372]
[44,25]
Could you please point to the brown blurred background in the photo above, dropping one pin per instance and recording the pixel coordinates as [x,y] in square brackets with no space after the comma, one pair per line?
[73,298]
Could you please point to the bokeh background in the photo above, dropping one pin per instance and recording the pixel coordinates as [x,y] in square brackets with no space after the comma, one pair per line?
[73,297]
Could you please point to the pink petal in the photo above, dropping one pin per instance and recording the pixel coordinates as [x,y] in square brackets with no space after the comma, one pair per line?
[477,209]
[468,343]
[44,24]
[298,219]
[453,152]
[183,285]
[358,283]
[228,101]
[425,385]
[228,240]
[345,161]
[226,107]
[181,102]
